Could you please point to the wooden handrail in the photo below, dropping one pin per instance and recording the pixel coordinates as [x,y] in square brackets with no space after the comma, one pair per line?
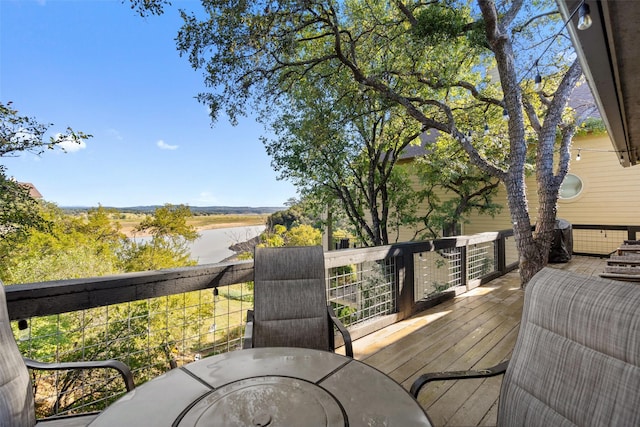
[61,296]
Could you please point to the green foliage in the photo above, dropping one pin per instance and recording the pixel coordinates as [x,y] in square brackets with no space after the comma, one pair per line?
[142,333]
[299,235]
[324,77]
[340,276]
[303,235]
[286,218]
[169,222]
[145,7]
[153,256]
[440,286]
[40,242]
[19,134]
[73,248]
[272,240]
[65,250]
[169,244]
[346,314]
[453,188]
[147,335]
[592,126]
[299,212]
[440,23]
[18,210]
[273,237]
[343,154]
[323,73]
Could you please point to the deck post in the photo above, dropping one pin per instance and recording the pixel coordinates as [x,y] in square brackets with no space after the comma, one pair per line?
[501,254]
[404,283]
[464,262]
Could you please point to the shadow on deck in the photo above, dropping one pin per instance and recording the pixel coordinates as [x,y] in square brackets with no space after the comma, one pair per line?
[475,330]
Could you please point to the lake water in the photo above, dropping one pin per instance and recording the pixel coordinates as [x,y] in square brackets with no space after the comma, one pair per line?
[213,245]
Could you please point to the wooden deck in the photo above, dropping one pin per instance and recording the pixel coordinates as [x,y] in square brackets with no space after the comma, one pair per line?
[475,330]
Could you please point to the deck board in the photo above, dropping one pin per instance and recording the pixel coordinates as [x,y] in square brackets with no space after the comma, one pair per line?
[475,330]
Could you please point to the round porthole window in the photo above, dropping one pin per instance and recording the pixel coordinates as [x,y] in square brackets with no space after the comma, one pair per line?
[571,187]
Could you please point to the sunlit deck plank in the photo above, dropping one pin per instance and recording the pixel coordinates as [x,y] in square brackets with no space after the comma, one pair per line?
[474,330]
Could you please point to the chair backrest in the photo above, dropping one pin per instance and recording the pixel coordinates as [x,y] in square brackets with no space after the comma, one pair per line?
[290,300]
[577,356]
[16,394]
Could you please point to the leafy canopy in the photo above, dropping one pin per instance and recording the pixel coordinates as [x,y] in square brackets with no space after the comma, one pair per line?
[432,59]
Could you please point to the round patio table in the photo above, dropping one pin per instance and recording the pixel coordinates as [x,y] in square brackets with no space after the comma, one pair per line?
[268,387]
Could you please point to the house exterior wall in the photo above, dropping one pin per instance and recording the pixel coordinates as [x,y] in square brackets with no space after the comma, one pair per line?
[610,194]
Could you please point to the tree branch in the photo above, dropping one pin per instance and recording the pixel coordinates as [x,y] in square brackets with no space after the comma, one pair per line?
[531,115]
[474,92]
[511,14]
[542,15]
[568,82]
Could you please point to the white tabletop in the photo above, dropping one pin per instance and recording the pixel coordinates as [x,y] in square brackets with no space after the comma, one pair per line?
[268,387]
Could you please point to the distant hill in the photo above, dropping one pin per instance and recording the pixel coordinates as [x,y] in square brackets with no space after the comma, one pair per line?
[237,210]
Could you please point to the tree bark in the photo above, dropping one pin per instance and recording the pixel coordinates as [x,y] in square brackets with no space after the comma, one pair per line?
[533,244]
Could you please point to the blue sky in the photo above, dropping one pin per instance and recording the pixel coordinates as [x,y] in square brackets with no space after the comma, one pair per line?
[98,67]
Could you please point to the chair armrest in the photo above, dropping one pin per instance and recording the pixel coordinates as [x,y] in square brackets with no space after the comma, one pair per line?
[456,375]
[122,368]
[247,342]
[348,348]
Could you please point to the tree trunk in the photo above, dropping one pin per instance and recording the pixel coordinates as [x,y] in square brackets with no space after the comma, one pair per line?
[530,261]
[533,245]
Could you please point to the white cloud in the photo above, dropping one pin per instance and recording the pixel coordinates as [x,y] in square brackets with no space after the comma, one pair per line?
[164,146]
[69,144]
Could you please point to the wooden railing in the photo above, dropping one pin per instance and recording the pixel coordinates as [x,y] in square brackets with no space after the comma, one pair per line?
[177,315]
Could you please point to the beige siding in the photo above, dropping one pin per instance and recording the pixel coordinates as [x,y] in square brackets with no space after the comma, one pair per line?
[502,221]
[610,194]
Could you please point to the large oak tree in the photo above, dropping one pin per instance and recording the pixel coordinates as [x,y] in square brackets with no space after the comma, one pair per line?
[431,58]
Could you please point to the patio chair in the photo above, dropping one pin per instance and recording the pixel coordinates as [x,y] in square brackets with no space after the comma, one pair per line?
[576,361]
[16,392]
[290,301]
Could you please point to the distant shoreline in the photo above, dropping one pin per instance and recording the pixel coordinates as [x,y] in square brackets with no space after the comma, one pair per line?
[206,222]
[206,210]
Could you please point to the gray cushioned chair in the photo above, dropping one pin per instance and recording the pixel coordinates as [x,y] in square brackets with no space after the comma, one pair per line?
[16,393]
[290,301]
[577,357]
